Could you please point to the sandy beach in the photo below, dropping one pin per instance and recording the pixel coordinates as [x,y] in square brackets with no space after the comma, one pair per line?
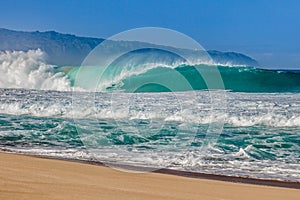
[26,177]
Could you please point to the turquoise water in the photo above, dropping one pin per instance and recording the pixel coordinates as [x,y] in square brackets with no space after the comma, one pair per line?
[148,109]
[260,137]
[237,78]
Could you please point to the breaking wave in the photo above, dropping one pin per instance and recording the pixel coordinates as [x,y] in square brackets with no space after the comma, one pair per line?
[28,70]
[138,72]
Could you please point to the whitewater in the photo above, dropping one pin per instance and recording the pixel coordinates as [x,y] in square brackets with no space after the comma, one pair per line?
[28,70]
[130,119]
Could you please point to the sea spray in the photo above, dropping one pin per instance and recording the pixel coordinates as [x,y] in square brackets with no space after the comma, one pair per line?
[28,70]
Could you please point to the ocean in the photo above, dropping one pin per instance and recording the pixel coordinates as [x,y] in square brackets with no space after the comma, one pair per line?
[150,117]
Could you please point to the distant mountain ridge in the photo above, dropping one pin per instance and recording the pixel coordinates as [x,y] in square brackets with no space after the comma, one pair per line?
[67,49]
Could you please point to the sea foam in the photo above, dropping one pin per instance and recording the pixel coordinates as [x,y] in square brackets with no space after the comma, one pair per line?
[29,70]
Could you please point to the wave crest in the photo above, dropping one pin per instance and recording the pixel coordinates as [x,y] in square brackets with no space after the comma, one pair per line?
[28,70]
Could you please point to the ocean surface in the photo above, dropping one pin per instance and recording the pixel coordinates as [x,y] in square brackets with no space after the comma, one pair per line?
[250,128]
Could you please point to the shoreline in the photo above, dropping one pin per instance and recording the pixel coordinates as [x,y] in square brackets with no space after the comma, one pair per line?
[35,178]
[181,173]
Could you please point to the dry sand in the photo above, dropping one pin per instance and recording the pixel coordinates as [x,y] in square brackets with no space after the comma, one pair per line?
[25,177]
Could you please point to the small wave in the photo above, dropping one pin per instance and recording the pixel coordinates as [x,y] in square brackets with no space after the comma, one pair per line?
[242,154]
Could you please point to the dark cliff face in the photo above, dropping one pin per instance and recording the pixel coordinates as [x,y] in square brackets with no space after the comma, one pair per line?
[61,49]
[66,49]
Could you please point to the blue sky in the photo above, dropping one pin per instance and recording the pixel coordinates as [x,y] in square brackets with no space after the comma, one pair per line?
[268,30]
